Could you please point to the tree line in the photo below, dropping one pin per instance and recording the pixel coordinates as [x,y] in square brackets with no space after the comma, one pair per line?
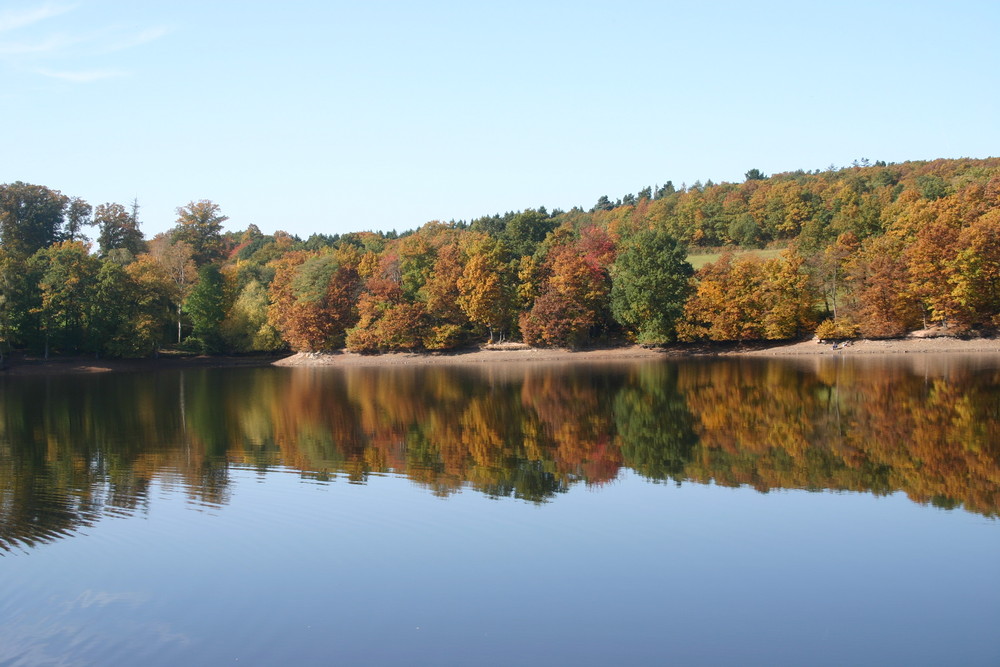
[873,250]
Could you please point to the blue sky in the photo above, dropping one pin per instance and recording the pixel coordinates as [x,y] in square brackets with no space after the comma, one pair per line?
[345,116]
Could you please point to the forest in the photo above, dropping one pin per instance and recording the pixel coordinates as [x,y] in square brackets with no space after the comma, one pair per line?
[872,250]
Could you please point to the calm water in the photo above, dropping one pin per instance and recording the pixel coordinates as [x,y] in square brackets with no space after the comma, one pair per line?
[821,512]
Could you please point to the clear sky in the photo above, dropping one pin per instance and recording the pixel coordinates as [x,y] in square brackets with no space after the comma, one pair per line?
[328,116]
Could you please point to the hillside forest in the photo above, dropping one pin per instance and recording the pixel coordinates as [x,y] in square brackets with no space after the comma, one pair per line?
[872,250]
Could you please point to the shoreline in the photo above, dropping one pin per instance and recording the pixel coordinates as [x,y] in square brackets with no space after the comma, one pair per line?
[513,353]
[27,366]
[510,353]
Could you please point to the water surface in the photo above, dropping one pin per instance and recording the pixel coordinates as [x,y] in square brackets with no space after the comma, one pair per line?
[721,511]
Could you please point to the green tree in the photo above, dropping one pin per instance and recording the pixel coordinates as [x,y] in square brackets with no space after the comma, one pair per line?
[205,306]
[525,230]
[118,229]
[246,328]
[31,217]
[114,312]
[68,276]
[650,281]
[77,217]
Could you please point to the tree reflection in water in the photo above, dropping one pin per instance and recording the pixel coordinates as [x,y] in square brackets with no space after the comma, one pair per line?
[75,449]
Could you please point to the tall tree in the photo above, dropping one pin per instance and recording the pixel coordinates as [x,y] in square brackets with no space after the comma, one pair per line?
[176,258]
[199,224]
[486,288]
[204,305]
[77,217]
[118,229]
[31,217]
[68,276]
[154,298]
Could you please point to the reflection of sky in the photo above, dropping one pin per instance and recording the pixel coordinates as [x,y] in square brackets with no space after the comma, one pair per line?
[629,573]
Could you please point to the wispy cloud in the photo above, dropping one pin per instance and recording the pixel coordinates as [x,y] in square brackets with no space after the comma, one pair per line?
[71,55]
[12,19]
[138,39]
[51,44]
[82,77]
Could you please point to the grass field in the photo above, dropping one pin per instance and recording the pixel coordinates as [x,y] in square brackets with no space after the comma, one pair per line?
[699,260]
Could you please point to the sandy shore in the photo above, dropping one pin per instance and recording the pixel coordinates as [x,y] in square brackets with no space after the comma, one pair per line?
[524,354]
[911,345]
[484,355]
[510,353]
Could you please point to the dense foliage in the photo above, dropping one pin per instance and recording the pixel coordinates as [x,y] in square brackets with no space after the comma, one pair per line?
[873,250]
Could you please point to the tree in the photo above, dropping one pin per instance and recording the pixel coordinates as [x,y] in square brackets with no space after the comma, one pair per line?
[976,271]
[573,295]
[313,299]
[204,305]
[649,285]
[448,323]
[31,217]
[176,259]
[154,297]
[746,298]
[526,230]
[199,224]
[77,216]
[486,288]
[246,328]
[118,230]
[755,175]
[68,276]
[665,190]
[114,312]
[603,204]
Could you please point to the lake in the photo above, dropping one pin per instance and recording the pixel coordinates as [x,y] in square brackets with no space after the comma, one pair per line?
[820,511]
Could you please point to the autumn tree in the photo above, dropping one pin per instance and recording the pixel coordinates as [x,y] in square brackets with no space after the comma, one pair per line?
[176,259]
[486,288]
[155,293]
[747,298]
[573,294]
[246,327]
[312,299]
[448,325]
[68,276]
[976,271]
[199,224]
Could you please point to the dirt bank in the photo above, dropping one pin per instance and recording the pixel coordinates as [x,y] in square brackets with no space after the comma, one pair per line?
[506,354]
[521,353]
